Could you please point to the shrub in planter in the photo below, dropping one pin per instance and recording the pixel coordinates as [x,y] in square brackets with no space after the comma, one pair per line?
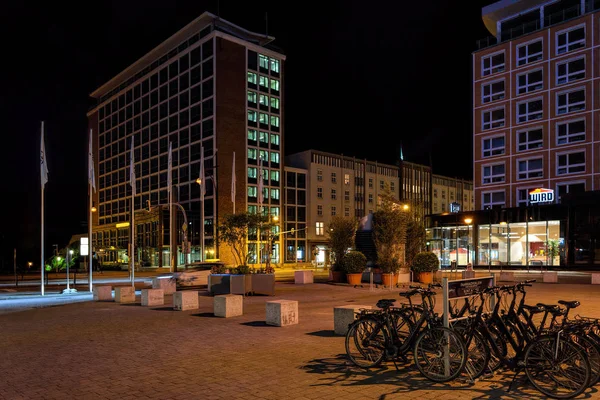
[425,264]
[354,262]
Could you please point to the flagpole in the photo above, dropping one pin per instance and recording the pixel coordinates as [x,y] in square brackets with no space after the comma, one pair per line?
[202,186]
[172,224]
[43,178]
[91,183]
[132,179]
[233,181]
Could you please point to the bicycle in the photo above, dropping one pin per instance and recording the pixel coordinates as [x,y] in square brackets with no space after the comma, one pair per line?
[389,333]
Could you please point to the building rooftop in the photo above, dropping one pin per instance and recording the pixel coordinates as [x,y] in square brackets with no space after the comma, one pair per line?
[171,46]
[507,8]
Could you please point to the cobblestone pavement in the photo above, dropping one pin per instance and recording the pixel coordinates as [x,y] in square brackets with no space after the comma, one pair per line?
[106,350]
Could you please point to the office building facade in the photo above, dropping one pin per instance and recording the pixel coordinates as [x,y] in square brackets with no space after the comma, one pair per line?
[212,86]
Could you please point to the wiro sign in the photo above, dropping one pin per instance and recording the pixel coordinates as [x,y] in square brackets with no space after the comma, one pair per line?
[541,195]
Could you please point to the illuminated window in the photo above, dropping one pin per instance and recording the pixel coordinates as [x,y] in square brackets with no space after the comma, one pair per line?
[346,179]
[274,65]
[252,78]
[263,61]
[275,157]
[274,84]
[319,228]
[251,97]
[275,194]
[274,121]
[275,139]
[263,81]
[252,191]
[252,154]
[275,103]
[263,100]
[263,118]
[263,137]
[251,116]
[252,134]
[252,172]
[275,175]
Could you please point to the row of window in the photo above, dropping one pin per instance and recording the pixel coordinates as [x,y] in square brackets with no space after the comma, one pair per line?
[496,199]
[533,80]
[263,101]
[263,63]
[533,168]
[533,110]
[263,119]
[333,211]
[526,53]
[263,155]
[567,132]
[451,193]
[263,138]
[347,180]
[185,72]
[264,83]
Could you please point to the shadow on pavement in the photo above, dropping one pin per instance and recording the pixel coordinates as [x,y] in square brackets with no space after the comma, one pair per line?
[163,309]
[339,370]
[205,315]
[257,323]
[323,333]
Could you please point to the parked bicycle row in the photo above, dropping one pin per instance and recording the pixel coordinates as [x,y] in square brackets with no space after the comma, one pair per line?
[491,330]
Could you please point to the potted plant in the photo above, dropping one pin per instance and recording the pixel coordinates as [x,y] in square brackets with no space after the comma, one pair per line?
[341,232]
[425,264]
[553,251]
[263,280]
[389,267]
[354,265]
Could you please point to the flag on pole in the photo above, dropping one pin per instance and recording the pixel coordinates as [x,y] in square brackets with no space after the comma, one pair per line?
[170,168]
[91,175]
[233,181]
[260,186]
[43,162]
[202,178]
[132,170]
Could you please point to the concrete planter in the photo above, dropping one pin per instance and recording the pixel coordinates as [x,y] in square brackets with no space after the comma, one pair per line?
[229,284]
[263,284]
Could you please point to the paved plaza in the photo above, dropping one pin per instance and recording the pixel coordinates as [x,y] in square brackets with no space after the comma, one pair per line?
[107,350]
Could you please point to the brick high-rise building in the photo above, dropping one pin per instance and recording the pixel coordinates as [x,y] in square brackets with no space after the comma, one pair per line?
[212,85]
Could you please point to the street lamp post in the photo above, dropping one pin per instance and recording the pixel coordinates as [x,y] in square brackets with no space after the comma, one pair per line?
[468,222]
[69,258]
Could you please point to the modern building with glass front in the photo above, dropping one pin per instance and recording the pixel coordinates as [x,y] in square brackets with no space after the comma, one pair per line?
[536,141]
[212,86]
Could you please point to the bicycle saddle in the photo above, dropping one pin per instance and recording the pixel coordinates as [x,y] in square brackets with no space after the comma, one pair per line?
[409,293]
[570,304]
[533,309]
[548,307]
[385,303]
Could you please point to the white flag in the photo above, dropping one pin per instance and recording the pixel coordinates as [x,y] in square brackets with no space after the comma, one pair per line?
[91,175]
[170,168]
[132,170]
[43,162]
[233,180]
[260,186]
[202,178]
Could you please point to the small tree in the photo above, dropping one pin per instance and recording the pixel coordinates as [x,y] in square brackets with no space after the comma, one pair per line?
[341,232]
[416,236]
[354,262]
[233,230]
[426,261]
[389,233]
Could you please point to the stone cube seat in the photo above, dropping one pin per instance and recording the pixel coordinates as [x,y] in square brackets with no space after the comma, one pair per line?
[228,305]
[282,312]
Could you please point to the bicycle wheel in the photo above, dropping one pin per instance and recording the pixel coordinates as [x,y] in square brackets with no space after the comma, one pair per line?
[402,323]
[365,343]
[494,363]
[440,354]
[593,352]
[557,368]
[478,351]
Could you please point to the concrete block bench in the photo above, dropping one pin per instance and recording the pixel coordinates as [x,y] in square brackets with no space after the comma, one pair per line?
[507,277]
[595,278]
[165,283]
[153,297]
[550,277]
[282,312]
[102,293]
[344,316]
[186,300]
[124,294]
[228,305]
[302,277]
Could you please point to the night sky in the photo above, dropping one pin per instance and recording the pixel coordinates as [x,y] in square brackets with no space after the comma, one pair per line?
[356,72]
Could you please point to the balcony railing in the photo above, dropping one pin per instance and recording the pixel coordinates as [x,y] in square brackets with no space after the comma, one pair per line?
[549,20]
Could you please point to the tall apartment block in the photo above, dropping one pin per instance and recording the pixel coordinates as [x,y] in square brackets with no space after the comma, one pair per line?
[536,141]
[213,86]
[536,101]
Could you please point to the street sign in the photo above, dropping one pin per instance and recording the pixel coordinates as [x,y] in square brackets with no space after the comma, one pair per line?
[84,246]
[468,287]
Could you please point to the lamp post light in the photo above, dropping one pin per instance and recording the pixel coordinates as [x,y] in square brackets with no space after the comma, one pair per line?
[68,260]
[468,222]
